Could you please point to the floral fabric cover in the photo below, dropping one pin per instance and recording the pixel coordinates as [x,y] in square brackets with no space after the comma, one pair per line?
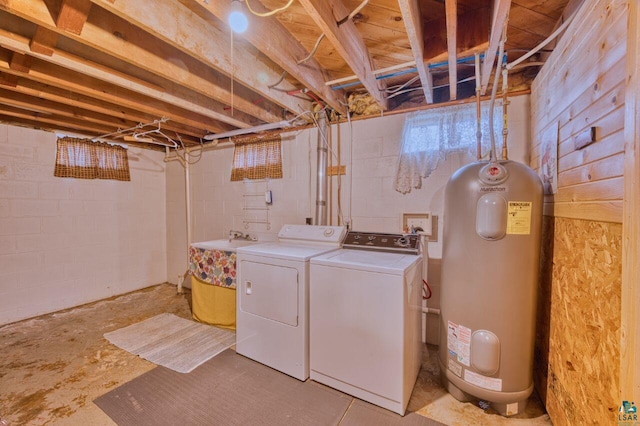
[217,267]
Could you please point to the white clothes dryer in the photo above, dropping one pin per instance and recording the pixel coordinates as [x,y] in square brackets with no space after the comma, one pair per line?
[272,318]
[365,323]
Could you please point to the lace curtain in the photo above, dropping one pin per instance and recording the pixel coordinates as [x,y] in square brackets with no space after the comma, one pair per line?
[85,159]
[255,158]
[429,136]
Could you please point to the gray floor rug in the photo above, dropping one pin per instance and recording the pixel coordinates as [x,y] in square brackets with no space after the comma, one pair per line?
[233,390]
[173,342]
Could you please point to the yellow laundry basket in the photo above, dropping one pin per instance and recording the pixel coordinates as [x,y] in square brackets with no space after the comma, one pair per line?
[213,304]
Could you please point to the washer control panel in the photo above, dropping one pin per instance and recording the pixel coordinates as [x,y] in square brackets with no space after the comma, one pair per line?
[398,243]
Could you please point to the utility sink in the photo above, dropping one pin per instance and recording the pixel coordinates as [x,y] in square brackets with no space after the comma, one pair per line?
[222,244]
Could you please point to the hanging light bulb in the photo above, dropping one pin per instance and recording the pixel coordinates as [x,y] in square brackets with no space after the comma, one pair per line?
[237,19]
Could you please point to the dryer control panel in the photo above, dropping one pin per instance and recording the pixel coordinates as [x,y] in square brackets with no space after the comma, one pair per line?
[312,234]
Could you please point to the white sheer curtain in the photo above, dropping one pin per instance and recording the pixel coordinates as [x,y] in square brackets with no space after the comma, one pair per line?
[428,136]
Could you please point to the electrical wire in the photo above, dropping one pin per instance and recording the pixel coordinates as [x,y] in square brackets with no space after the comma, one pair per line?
[317,44]
[284,74]
[402,86]
[543,43]
[353,13]
[426,290]
[270,13]
[313,51]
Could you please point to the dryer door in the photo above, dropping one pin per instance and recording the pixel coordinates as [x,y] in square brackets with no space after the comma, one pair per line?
[269,291]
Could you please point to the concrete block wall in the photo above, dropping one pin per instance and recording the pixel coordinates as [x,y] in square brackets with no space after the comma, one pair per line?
[65,242]
[217,204]
[367,195]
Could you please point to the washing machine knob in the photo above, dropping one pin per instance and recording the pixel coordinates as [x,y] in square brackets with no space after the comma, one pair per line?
[403,242]
[328,232]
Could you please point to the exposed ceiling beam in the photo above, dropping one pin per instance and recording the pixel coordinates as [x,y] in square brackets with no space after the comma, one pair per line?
[413,24]
[472,36]
[75,83]
[116,38]
[183,29]
[270,37]
[53,120]
[498,23]
[451,13]
[120,113]
[72,15]
[65,60]
[43,41]
[348,42]
[8,80]
[14,97]
[20,62]
[37,123]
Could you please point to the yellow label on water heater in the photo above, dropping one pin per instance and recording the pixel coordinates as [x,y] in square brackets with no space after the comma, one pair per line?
[519,217]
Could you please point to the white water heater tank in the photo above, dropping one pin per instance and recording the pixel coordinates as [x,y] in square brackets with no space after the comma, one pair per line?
[490,259]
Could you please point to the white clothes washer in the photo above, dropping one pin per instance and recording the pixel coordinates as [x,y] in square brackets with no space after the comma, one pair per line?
[365,308]
[272,318]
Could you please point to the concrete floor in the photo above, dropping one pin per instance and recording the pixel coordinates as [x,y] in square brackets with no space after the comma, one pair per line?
[53,366]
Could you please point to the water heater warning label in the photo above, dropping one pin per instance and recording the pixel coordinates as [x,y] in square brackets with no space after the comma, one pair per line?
[519,217]
[459,342]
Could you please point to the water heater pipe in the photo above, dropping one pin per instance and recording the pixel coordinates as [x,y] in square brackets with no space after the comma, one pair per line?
[505,124]
[493,157]
[478,111]
[321,176]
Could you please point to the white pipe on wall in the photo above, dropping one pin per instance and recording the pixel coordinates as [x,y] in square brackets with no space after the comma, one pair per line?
[187,197]
[321,176]
[187,201]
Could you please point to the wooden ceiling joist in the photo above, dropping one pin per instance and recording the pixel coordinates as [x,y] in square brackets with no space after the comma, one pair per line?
[74,82]
[52,119]
[472,36]
[185,30]
[498,23]
[8,80]
[20,62]
[70,62]
[111,36]
[348,42]
[113,63]
[271,38]
[119,113]
[43,41]
[413,24]
[72,15]
[14,97]
[38,123]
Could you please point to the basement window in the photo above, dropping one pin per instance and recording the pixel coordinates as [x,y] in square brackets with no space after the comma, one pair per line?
[257,158]
[85,159]
[429,136]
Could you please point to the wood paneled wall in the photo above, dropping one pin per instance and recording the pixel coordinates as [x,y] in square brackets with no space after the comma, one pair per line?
[583,85]
[630,331]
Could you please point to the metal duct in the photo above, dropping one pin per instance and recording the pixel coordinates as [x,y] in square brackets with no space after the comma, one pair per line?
[322,179]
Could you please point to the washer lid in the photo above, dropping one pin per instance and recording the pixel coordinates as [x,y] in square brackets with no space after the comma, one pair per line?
[300,252]
[370,261]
